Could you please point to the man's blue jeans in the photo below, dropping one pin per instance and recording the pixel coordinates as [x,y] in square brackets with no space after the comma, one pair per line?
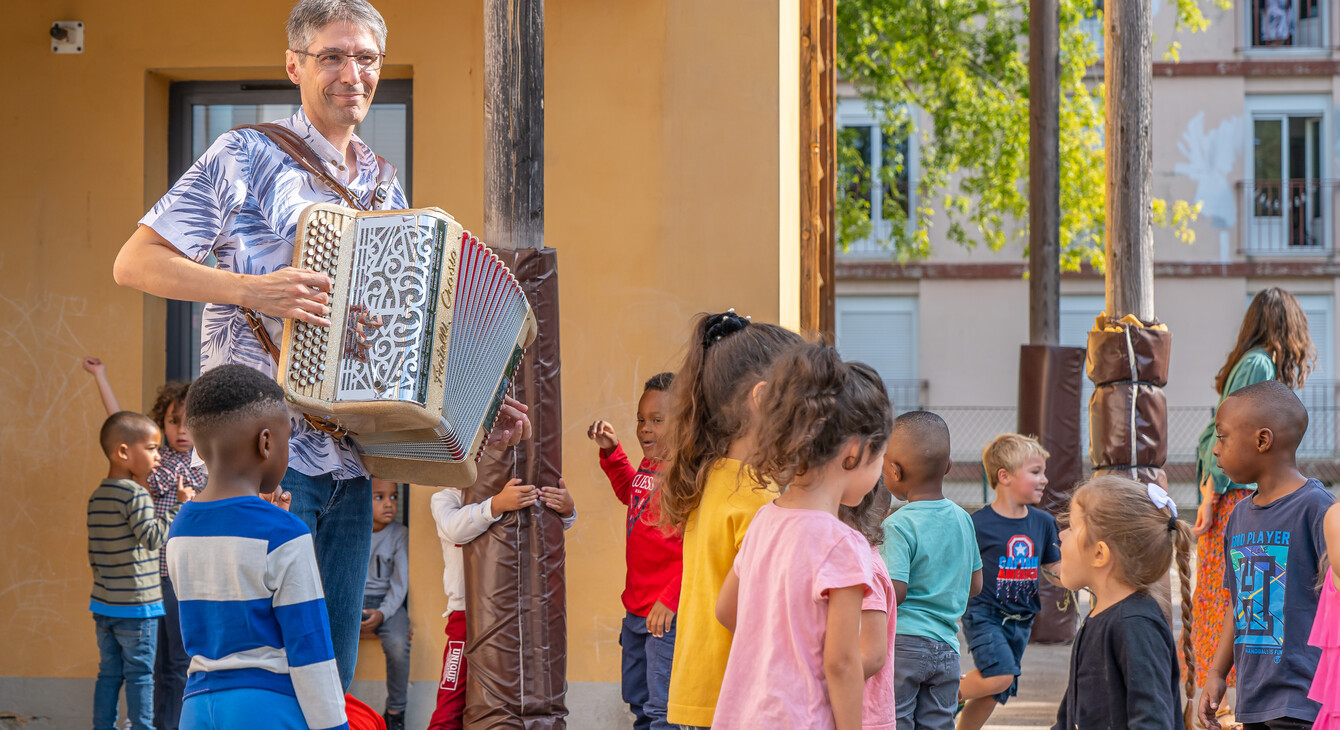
[339,514]
[127,647]
[646,672]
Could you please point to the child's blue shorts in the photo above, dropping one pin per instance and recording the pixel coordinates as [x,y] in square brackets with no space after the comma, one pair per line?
[997,643]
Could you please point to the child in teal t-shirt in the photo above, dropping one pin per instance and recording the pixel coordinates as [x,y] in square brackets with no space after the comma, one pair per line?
[930,548]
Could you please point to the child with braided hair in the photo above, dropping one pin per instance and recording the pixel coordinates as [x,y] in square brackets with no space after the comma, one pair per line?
[1122,539]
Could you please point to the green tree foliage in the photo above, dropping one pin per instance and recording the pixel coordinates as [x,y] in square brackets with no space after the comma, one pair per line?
[963,64]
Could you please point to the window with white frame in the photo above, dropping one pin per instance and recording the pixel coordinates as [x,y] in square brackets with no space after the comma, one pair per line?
[887,182]
[1287,192]
[1285,24]
[881,331]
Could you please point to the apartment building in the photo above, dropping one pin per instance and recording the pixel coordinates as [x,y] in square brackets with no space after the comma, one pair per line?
[1245,124]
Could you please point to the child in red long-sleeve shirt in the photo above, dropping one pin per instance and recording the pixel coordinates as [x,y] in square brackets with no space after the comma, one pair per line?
[655,560]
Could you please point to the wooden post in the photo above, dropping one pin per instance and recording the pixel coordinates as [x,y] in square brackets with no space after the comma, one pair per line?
[514,123]
[516,638]
[818,140]
[1044,173]
[1128,99]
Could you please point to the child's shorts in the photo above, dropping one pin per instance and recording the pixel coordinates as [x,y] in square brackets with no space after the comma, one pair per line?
[997,643]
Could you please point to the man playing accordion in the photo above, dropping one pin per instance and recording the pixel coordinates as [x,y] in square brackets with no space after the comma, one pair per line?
[241,202]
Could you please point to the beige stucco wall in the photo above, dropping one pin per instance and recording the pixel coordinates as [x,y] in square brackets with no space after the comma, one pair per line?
[671,169]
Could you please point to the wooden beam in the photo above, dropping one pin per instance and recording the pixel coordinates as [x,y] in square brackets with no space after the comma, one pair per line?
[514,123]
[818,140]
[1129,98]
[1044,173]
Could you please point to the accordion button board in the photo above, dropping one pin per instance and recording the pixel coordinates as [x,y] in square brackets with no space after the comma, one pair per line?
[428,327]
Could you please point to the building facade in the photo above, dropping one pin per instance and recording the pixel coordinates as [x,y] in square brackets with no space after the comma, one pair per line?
[1246,124]
[671,129]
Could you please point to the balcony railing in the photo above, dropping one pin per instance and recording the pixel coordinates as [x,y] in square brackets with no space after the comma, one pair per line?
[1287,216]
[1287,23]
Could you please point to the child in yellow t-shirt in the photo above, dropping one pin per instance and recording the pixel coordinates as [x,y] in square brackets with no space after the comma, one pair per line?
[708,494]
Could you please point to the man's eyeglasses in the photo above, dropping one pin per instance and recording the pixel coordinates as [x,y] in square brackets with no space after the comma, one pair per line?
[332,61]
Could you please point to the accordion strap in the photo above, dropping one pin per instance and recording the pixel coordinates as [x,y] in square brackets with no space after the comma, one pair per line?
[267,342]
[302,153]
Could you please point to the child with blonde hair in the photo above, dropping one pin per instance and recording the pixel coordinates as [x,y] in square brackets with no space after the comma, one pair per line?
[801,577]
[1122,539]
[708,495]
[1018,543]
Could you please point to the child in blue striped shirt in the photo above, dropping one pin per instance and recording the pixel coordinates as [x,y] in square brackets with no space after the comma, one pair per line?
[253,614]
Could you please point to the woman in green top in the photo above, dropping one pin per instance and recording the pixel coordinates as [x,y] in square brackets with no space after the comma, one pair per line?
[1273,344]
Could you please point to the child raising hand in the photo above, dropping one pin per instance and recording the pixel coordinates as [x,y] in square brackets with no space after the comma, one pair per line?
[653,556]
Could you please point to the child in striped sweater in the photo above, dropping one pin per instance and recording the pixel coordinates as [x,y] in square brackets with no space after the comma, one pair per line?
[253,614]
[124,536]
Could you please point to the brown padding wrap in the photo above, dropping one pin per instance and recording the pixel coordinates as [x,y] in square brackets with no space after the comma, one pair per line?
[1135,353]
[516,640]
[1050,387]
[1128,424]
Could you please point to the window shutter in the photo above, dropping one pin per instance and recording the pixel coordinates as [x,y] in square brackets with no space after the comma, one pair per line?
[882,333]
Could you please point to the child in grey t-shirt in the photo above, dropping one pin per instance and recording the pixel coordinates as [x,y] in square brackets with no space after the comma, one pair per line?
[1273,545]
[930,548]
[385,611]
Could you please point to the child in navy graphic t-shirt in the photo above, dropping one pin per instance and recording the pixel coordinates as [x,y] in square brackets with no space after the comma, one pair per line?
[1273,545]
[1017,541]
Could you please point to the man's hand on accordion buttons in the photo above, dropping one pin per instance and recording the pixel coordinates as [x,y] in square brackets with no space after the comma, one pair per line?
[514,496]
[558,499]
[512,426]
[289,293]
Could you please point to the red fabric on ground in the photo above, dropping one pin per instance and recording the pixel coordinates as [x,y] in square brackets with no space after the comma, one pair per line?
[362,717]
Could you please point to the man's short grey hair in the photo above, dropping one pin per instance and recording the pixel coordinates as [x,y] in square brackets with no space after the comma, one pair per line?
[310,16]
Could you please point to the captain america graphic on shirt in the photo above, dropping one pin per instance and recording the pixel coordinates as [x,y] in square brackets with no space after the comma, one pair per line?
[1013,553]
[1018,576]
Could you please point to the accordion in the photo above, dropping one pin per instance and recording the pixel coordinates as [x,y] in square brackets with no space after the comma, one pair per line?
[428,327]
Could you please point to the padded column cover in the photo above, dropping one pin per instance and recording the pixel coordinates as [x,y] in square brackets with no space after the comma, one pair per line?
[516,640]
[1050,387]
[1128,414]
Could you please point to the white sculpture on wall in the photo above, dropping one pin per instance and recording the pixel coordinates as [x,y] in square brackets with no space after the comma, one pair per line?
[1210,158]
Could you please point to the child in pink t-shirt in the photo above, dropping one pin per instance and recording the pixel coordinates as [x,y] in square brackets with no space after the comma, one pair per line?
[879,614]
[801,576]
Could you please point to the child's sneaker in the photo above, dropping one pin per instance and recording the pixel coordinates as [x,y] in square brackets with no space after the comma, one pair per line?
[394,722]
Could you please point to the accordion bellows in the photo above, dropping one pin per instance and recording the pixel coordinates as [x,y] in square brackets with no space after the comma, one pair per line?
[427,329]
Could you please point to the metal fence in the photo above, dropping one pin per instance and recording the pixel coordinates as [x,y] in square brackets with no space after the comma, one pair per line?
[971,427]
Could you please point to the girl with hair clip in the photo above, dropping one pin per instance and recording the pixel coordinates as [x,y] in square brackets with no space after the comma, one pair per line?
[1122,539]
[879,612]
[1273,344]
[706,493]
[802,576]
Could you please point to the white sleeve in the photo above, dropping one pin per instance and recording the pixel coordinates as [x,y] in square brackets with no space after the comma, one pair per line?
[459,523]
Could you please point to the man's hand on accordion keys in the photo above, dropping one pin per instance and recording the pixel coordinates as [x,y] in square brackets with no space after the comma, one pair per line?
[512,425]
[289,293]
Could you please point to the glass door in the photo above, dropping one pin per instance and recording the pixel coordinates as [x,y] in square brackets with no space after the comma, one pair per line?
[201,111]
[1286,210]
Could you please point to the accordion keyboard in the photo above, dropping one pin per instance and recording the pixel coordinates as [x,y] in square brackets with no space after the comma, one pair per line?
[307,368]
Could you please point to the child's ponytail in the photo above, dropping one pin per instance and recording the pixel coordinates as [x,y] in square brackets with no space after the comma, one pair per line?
[813,404]
[726,357]
[1183,541]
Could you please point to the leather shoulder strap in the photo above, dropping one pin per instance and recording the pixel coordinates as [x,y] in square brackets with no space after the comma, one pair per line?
[302,153]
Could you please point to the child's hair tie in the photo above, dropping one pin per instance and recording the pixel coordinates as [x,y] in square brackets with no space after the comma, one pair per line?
[1159,496]
[722,325]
